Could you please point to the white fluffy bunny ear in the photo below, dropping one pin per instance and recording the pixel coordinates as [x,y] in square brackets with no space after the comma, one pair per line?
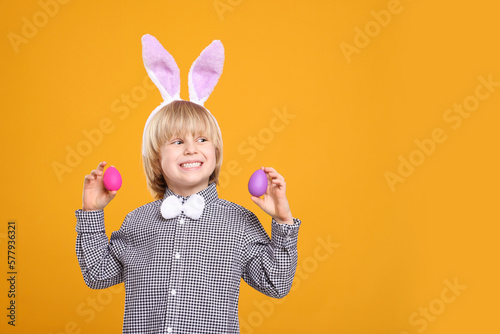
[161,68]
[205,72]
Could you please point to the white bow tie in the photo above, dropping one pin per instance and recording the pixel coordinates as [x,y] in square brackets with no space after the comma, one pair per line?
[172,206]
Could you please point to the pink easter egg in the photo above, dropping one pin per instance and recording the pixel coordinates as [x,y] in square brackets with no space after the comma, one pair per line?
[257,185]
[112,179]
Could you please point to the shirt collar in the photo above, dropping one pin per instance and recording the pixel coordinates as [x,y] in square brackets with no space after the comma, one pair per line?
[209,194]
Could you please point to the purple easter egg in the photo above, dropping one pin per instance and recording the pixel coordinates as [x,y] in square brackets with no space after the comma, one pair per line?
[112,179]
[257,185]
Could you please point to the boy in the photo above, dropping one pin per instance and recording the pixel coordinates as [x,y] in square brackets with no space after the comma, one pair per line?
[182,256]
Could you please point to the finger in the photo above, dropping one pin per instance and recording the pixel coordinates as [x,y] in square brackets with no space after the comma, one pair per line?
[257,200]
[269,176]
[277,185]
[91,177]
[101,165]
[273,178]
[278,181]
[95,175]
[112,194]
[269,169]
[276,175]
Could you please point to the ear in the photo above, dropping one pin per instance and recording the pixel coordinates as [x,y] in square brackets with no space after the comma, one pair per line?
[161,68]
[205,72]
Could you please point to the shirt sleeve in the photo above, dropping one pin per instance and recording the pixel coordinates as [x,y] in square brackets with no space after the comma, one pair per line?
[100,259]
[270,264]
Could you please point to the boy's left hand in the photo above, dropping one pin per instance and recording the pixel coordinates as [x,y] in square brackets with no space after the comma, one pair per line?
[275,202]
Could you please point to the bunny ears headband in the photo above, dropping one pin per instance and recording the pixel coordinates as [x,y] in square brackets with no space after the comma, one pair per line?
[163,71]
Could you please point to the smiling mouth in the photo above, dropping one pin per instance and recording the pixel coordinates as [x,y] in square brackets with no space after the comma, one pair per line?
[192,165]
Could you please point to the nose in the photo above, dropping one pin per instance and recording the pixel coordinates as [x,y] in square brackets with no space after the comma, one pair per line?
[190,148]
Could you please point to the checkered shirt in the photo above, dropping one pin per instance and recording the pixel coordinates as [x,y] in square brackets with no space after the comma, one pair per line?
[183,275]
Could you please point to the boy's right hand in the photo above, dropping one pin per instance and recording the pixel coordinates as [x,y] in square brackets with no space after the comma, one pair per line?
[95,195]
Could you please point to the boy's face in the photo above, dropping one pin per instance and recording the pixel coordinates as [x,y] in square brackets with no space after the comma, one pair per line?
[187,162]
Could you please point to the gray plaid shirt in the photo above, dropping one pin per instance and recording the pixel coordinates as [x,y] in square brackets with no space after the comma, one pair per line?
[183,275]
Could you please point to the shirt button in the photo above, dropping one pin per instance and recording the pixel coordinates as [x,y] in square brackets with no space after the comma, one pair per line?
[177,256]
[181,221]
[173,292]
[169,330]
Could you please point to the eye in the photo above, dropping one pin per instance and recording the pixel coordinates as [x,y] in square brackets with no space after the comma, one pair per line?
[177,142]
[202,139]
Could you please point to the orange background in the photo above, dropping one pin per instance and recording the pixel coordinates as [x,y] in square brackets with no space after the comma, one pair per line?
[353,116]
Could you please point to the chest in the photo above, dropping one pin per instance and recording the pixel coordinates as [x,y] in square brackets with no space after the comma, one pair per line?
[202,246]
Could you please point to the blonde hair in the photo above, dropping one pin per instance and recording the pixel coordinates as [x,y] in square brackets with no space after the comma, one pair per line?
[177,118]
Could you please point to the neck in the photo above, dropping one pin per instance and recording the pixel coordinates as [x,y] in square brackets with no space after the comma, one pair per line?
[187,191]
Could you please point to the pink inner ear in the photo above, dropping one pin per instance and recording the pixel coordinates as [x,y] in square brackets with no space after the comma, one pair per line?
[169,78]
[207,69]
[162,64]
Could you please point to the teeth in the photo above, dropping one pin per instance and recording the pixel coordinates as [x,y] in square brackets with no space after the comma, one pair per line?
[191,165]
